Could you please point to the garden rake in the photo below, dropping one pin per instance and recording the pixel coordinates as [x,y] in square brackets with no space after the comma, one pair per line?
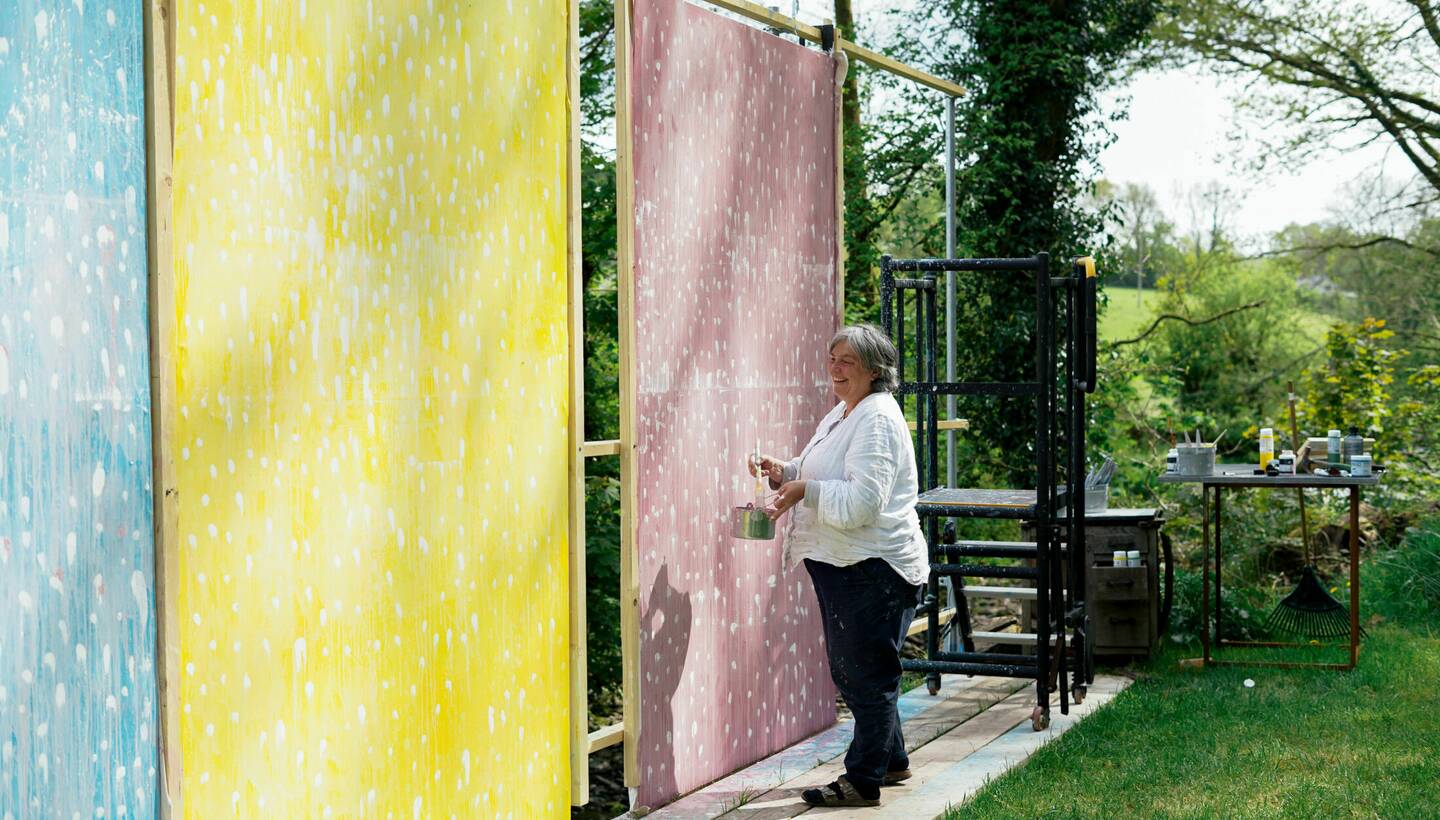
[1309,610]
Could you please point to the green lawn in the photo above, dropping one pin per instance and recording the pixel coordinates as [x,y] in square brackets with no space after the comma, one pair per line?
[1122,319]
[1193,742]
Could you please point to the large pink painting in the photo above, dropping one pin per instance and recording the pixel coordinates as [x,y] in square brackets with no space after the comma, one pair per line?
[735,292]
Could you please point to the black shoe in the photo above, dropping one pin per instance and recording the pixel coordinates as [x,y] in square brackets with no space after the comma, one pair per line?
[896,777]
[840,793]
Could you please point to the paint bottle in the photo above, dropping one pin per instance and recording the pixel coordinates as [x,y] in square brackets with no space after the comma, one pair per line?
[1132,558]
[1285,462]
[1332,448]
[1118,558]
[1353,445]
[1171,458]
[1267,446]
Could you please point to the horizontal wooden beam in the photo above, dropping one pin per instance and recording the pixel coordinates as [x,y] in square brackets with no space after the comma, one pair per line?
[607,736]
[1026,638]
[595,449]
[760,14]
[899,69]
[921,624]
[950,424]
[1012,593]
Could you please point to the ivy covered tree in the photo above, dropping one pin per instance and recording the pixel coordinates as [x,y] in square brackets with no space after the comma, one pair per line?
[1028,133]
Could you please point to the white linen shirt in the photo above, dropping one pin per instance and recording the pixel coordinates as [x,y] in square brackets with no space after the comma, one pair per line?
[860,492]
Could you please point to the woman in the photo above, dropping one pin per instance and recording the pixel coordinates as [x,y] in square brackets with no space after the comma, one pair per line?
[852,491]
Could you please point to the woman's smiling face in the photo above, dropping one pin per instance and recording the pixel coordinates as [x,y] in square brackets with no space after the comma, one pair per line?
[848,376]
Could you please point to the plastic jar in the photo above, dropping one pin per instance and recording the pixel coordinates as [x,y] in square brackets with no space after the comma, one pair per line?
[1285,462]
[1360,466]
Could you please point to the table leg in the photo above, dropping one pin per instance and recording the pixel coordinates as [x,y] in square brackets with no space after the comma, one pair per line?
[1219,557]
[1354,576]
[1205,571]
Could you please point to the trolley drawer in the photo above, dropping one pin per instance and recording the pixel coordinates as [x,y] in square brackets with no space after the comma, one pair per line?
[1121,626]
[1109,583]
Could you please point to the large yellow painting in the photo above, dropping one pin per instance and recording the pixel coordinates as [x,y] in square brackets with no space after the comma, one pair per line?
[371,446]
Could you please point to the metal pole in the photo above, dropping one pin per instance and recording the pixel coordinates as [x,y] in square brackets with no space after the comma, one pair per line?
[949,284]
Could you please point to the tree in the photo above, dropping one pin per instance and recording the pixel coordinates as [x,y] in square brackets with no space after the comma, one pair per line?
[1320,71]
[861,257]
[602,369]
[1027,135]
[1325,75]
[1146,239]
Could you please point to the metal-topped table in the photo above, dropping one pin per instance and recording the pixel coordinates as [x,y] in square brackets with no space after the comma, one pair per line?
[1244,475]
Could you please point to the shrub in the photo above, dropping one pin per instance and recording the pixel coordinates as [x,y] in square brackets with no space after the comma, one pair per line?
[1242,619]
[1406,580]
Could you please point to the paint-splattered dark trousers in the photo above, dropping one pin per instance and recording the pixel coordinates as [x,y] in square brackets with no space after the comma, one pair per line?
[867,608]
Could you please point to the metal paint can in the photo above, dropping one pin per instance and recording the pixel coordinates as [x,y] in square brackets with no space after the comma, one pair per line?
[1195,459]
[1360,466]
[1352,445]
[752,524]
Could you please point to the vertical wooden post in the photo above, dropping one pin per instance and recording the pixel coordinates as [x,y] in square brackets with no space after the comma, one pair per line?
[160,293]
[629,497]
[838,55]
[575,318]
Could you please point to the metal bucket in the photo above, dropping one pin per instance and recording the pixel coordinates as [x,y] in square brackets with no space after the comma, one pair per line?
[751,524]
[1195,459]
[1097,499]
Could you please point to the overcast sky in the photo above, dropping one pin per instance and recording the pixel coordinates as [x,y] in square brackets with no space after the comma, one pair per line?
[1179,136]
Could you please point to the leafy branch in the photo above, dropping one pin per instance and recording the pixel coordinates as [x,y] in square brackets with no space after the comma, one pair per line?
[1349,246]
[1164,317]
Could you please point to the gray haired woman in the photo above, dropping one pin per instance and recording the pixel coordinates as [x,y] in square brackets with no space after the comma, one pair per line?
[852,491]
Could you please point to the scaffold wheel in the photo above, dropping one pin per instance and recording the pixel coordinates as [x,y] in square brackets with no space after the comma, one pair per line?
[1040,719]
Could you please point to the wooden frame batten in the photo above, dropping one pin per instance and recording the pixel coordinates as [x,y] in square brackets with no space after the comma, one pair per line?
[159,27]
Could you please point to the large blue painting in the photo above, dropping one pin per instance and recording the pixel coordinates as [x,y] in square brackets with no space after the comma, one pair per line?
[78,711]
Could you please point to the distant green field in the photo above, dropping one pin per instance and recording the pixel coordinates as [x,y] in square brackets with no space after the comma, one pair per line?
[1122,319]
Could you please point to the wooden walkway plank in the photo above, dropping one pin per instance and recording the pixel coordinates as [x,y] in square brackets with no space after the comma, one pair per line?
[937,757]
[756,783]
[948,769]
[961,780]
[955,706]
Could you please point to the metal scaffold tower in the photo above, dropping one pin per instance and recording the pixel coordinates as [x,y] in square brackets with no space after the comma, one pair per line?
[1063,339]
